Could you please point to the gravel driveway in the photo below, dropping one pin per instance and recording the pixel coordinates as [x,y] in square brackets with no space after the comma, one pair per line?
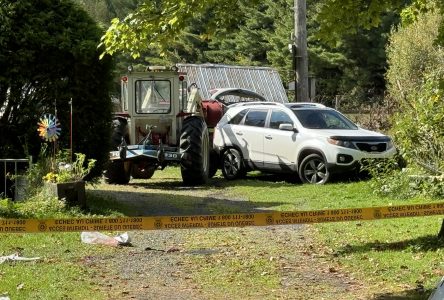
[172,264]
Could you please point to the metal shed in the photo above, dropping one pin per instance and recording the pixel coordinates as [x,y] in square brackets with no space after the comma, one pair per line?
[262,80]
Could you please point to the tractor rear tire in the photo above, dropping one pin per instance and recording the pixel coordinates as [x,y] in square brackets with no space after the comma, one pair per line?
[195,151]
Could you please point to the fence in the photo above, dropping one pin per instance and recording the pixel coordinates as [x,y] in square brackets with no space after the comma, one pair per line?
[13,185]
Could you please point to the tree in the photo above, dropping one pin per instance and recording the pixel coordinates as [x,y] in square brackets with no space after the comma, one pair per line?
[415,81]
[157,23]
[352,65]
[49,56]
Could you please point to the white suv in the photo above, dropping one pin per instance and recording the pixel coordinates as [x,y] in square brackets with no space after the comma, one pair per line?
[308,139]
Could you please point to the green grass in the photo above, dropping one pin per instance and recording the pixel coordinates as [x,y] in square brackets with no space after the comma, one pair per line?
[393,258]
[396,258]
[394,255]
[61,273]
[65,269]
[399,256]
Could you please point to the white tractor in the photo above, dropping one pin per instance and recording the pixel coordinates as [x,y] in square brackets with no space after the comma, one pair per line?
[162,121]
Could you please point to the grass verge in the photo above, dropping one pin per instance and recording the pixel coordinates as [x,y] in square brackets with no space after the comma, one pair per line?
[66,266]
[395,258]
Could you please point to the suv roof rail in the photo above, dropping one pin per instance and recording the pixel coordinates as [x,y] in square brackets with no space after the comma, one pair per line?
[304,104]
[257,103]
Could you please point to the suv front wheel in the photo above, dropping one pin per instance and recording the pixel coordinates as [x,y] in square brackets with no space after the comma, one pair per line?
[313,169]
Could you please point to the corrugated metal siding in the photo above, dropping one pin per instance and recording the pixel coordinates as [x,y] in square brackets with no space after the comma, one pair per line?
[262,80]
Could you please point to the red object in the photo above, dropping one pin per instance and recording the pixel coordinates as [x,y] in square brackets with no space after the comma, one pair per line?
[124,78]
[213,112]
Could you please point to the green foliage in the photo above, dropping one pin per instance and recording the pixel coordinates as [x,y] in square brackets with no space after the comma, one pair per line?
[420,134]
[156,23]
[66,171]
[50,56]
[260,36]
[40,205]
[337,18]
[56,169]
[37,171]
[391,179]
[416,84]
[411,52]
[43,205]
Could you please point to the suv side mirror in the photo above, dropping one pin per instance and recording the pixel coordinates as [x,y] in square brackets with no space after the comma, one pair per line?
[287,127]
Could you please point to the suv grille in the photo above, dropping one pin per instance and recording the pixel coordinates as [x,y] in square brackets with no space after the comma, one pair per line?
[371,147]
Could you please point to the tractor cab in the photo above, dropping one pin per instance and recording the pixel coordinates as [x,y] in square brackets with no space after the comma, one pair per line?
[152,100]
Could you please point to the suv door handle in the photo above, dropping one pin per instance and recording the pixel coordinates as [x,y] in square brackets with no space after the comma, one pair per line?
[268,137]
[239,133]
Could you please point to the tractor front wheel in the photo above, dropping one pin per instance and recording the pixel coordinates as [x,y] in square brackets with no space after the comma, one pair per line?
[117,172]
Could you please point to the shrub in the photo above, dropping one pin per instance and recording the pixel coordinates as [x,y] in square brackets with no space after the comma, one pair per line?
[416,86]
[57,169]
[391,178]
[49,59]
[419,130]
[65,171]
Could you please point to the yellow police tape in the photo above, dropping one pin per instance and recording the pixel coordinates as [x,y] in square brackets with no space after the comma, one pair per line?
[225,220]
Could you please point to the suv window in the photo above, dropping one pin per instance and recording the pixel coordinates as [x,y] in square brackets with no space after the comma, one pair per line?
[238,118]
[279,117]
[323,119]
[256,118]
[335,120]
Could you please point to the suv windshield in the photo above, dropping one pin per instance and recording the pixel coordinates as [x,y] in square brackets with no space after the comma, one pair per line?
[323,119]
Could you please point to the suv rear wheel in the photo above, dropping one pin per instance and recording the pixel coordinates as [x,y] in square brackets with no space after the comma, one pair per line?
[232,165]
[313,169]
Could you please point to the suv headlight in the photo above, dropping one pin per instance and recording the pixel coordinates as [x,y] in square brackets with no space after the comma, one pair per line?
[341,143]
[390,144]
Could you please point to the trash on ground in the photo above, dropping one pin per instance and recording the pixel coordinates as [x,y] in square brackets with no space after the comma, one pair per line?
[16,257]
[124,239]
[4,297]
[103,239]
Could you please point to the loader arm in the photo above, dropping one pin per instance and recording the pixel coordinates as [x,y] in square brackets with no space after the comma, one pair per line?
[194,103]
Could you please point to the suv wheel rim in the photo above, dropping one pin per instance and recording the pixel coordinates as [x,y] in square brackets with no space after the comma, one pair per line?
[315,171]
[231,163]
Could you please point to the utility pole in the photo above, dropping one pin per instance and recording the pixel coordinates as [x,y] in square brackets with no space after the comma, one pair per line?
[300,55]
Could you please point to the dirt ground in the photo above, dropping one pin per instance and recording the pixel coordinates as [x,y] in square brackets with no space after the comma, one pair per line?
[166,265]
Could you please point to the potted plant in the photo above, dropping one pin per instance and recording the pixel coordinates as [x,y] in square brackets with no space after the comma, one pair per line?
[66,179]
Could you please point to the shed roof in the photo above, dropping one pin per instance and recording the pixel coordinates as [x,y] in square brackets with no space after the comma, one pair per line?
[262,80]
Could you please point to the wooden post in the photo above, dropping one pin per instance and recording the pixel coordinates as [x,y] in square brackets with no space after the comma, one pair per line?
[300,30]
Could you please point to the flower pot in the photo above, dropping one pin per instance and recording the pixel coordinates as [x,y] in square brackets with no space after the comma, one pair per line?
[73,192]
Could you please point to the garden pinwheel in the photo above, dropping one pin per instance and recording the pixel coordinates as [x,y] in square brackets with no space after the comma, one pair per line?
[49,127]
